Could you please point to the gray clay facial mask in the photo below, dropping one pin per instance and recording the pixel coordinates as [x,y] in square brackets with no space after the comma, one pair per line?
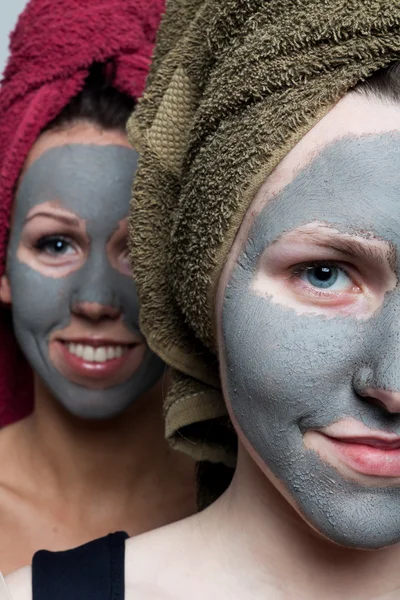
[288,373]
[93,182]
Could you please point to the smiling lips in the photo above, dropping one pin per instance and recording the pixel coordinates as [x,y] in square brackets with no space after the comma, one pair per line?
[100,354]
[97,363]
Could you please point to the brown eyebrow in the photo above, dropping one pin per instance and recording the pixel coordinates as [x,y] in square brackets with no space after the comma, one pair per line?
[72,221]
[370,250]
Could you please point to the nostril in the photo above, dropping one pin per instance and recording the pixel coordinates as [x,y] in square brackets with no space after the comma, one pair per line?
[96,311]
[375,402]
[369,386]
[387,400]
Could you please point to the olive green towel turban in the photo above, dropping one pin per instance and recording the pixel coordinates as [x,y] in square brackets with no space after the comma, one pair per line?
[234,85]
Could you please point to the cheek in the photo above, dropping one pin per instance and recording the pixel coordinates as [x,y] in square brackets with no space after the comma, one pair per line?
[125,289]
[280,364]
[39,302]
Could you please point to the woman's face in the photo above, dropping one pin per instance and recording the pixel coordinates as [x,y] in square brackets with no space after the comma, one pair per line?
[309,326]
[74,302]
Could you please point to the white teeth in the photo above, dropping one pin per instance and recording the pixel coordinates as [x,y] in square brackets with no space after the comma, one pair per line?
[97,355]
[88,353]
[100,355]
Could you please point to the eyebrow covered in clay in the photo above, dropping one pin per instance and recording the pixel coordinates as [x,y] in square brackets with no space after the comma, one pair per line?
[63,218]
[367,249]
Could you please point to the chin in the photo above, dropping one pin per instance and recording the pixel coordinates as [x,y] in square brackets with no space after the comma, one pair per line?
[338,509]
[367,519]
[360,538]
[93,405]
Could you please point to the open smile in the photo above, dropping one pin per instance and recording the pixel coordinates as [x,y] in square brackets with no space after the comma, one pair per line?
[96,363]
[99,352]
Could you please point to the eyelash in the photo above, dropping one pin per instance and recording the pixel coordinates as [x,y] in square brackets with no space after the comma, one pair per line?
[45,240]
[299,269]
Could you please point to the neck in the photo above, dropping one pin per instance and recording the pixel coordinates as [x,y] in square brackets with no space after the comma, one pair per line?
[123,464]
[276,549]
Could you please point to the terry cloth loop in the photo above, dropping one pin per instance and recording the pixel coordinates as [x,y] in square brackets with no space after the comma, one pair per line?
[51,51]
[233,88]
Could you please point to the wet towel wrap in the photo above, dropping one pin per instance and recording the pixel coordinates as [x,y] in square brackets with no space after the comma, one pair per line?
[51,50]
[235,85]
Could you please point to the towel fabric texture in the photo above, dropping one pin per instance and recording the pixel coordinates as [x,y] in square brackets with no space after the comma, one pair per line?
[51,50]
[235,84]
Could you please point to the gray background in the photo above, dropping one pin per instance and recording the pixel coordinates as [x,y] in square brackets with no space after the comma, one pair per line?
[9,11]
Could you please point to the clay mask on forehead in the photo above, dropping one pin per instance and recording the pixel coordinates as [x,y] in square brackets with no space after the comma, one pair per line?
[288,373]
[94,183]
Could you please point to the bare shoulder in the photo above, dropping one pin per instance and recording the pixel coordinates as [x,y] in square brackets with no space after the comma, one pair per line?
[17,521]
[19,584]
[156,561]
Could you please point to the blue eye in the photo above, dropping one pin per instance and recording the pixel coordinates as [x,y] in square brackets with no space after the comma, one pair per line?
[326,277]
[54,245]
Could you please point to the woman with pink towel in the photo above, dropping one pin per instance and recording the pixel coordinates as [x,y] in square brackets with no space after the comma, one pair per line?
[82,449]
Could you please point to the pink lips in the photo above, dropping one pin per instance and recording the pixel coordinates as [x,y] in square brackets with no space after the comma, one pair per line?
[365,451]
[369,457]
[95,370]
[92,374]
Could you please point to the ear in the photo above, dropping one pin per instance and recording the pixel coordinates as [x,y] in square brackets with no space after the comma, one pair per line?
[5,290]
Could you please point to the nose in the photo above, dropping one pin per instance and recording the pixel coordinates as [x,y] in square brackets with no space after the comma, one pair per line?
[377,381]
[390,401]
[96,311]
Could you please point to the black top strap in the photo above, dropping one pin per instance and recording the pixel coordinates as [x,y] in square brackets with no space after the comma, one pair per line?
[94,571]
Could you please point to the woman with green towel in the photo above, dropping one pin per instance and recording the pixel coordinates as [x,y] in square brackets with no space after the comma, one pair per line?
[265,242]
